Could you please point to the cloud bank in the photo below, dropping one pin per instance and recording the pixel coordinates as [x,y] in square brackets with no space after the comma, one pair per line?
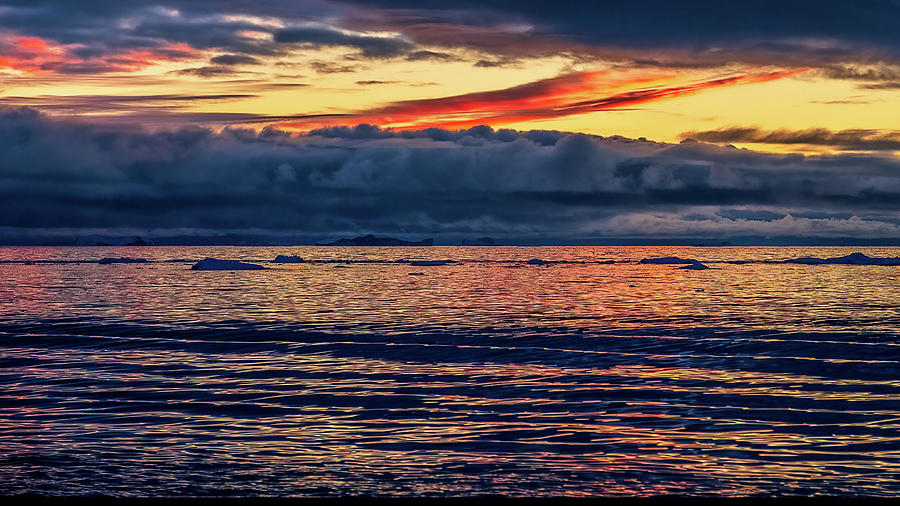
[98,36]
[849,140]
[60,179]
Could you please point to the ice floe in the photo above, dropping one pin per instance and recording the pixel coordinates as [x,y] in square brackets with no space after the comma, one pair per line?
[288,259]
[121,260]
[668,260]
[214,264]
[851,259]
[430,263]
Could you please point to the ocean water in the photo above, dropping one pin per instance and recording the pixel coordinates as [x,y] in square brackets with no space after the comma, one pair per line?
[358,373]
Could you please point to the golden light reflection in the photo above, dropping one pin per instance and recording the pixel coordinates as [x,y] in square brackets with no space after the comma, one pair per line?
[571,376]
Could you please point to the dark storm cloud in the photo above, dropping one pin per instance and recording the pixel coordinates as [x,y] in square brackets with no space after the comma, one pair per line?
[423,55]
[824,30]
[862,73]
[854,139]
[233,59]
[372,46]
[878,76]
[74,176]
[499,62]
[95,33]
[688,34]
[327,67]
[131,105]
[882,86]
[211,71]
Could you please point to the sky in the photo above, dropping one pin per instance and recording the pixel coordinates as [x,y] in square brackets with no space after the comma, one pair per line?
[573,122]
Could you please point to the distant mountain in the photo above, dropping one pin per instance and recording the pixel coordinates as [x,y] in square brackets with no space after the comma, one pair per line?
[138,242]
[481,241]
[105,240]
[371,240]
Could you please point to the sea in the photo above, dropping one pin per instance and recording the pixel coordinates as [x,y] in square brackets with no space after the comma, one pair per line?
[360,373]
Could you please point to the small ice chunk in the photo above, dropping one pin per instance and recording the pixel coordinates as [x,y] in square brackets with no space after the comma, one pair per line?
[121,260]
[669,260]
[537,261]
[214,264]
[429,263]
[696,266]
[288,259]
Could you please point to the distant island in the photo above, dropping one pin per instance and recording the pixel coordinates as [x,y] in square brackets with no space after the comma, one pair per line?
[371,240]
[481,241]
[96,240]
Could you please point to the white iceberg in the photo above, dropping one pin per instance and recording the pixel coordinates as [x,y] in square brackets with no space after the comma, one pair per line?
[288,259]
[121,260]
[214,264]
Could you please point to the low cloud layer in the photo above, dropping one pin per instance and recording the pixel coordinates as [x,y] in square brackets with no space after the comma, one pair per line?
[850,140]
[59,178]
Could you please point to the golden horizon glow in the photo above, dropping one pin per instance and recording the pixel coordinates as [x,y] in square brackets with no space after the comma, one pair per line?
[323,88]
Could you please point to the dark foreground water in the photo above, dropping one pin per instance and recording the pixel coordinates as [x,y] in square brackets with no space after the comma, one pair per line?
[358,374]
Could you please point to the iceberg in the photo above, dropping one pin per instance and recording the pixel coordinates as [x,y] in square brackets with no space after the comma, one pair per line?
[851,259]
[430,263]
[669,260]
[121,260]
[371,240]
[695,266]
[214,264]
[288,259]
[537,261]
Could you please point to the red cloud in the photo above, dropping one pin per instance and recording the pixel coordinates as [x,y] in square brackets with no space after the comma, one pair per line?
[560,96]
[35,55]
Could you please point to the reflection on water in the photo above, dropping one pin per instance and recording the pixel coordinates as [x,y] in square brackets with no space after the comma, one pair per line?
[346,375]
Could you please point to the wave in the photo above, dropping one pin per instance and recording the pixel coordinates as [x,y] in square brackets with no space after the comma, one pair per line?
[365,409]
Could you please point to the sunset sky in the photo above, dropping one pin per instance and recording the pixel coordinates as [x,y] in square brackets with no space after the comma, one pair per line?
[116,96]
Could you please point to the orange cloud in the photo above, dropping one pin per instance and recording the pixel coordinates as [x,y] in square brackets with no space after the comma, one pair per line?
[560,96]
[26,53]
[35,55]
